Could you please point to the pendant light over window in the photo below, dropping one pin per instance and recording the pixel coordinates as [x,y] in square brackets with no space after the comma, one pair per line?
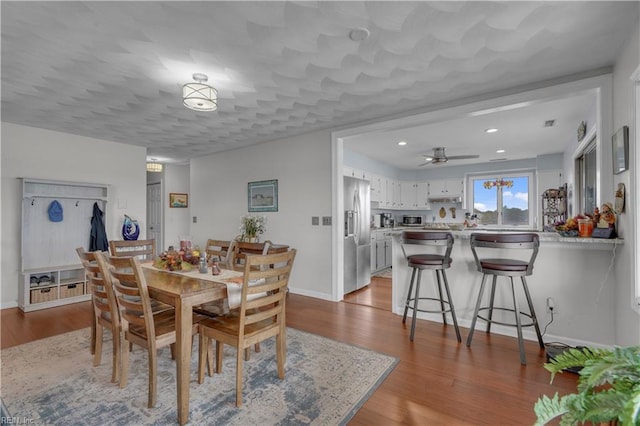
[199,96]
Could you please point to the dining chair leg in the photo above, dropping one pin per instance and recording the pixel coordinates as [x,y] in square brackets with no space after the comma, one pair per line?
[153,371]
[173,351]
[247,354]
[202,357]
[94,327]
[124,366]
[257,347]
[239,361]
[280,351]
[476,310]
[493,296]
[97,356]
[209,357]
[219,349]
[115,358]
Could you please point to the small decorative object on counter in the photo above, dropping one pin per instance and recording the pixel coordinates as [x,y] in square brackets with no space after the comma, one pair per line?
[203,263]
[215,269]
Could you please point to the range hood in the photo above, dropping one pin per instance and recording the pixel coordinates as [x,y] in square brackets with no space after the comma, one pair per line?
[450,199]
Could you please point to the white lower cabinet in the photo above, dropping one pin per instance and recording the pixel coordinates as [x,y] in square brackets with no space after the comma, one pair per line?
[380,251]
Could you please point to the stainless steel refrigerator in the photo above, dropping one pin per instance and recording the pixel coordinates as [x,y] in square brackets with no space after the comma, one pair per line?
[357,241]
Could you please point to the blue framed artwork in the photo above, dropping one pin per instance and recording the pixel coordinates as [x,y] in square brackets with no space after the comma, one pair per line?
[263,196]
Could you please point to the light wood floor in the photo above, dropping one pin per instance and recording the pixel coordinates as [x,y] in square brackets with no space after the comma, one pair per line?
[438,381]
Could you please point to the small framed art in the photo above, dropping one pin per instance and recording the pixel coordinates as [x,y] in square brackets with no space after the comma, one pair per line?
[620,144]
[178,200]
[263,196]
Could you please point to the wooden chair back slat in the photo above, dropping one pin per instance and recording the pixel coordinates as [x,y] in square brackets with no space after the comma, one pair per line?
[144,249]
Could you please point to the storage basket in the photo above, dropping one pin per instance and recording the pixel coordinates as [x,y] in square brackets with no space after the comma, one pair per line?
[40,295]
[71,290]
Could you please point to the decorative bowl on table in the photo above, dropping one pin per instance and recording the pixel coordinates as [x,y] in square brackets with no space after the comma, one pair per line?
[568,233]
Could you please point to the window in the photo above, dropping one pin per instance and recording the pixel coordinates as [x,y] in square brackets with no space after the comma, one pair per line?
[586,173]
[503,200]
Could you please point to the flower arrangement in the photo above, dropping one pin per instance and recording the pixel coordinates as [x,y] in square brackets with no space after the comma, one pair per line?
[253,225]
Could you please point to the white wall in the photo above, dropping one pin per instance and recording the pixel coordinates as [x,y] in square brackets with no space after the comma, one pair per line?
[176,220]
[37,153]
[627,319]
[302,167]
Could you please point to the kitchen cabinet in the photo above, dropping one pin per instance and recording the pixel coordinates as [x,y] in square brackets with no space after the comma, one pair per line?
[446,187]
[397,195]
[414,195]
[380,251]
[356,173]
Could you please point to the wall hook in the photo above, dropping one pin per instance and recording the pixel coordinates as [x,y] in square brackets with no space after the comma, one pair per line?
[33,201]
[77,202]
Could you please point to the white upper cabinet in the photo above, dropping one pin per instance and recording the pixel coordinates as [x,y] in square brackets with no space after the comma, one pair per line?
[446,187]
[407,195]
[422,196]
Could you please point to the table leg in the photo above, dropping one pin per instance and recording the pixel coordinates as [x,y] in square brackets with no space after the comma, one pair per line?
[183,361]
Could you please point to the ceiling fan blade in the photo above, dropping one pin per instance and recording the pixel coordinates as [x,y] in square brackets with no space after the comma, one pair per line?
[424,164]
[461,157]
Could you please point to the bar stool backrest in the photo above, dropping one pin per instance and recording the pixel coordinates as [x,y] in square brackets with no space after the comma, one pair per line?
[429,239]
[528,241]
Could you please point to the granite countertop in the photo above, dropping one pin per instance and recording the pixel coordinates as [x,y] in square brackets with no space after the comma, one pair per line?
[544,236]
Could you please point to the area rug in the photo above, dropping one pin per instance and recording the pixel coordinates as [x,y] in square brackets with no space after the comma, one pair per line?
[52,381]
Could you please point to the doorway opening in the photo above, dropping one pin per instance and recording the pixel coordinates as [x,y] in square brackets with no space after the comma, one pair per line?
[376,295]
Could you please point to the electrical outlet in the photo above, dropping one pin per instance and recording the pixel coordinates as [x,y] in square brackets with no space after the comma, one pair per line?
[326,220]
[195,219]
[315,220]
[551,305]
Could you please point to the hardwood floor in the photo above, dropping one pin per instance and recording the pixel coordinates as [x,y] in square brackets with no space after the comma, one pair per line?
[377,294]
[438,381]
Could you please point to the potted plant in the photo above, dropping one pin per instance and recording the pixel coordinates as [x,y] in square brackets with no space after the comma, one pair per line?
[252,226]
[608,388]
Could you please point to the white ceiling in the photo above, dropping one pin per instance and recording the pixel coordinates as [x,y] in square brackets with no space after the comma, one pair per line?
[114,70]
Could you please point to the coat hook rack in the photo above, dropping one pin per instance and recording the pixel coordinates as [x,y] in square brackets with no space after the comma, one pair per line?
[33,201]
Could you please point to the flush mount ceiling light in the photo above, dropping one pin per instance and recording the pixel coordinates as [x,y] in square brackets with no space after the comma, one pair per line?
[154,167]
[199,96]
[402,143]
[491,130]
[359,34]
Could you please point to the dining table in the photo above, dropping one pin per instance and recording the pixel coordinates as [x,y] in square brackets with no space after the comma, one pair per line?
[184,290]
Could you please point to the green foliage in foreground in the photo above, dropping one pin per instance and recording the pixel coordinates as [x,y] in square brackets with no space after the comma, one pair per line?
[608,388]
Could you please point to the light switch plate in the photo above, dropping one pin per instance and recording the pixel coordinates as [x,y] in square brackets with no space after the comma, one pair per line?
[326,220]
[315,220]
[195,219]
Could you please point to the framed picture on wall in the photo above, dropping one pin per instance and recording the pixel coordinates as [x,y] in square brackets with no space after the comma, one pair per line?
[263,196]
[178,200]
[620,144]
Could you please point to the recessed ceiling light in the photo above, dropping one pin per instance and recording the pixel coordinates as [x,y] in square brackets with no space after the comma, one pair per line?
[500,151]
[359,34]
[402,143]
[491,130]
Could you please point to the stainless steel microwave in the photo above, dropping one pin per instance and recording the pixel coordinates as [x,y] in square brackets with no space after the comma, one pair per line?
[412,220]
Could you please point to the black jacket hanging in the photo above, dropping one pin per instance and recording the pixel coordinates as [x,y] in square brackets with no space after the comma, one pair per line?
[98,240]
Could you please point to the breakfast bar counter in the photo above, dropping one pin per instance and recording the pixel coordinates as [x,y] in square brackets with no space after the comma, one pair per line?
[577,273]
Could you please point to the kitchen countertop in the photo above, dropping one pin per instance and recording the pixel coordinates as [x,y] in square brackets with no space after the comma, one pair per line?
[466,233]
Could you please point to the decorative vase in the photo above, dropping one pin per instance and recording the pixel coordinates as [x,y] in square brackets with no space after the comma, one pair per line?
[248,239]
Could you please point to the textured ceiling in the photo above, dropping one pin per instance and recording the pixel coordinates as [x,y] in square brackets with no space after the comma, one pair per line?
[114,70]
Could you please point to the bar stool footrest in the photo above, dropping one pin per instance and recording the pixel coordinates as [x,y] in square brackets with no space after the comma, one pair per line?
[507,324]
[429,311]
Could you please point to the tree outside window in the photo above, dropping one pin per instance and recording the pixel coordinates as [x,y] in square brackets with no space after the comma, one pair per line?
[502,200]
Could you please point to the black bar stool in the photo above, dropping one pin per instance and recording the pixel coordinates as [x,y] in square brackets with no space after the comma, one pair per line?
[508,268]
[436,262]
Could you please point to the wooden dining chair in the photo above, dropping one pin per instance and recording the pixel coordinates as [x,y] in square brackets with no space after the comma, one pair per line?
[217,250]
[261,315]
[105,309]
[144,249]
[140,325]
[241,249]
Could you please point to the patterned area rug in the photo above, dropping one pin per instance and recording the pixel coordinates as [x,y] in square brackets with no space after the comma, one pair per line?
[52,381]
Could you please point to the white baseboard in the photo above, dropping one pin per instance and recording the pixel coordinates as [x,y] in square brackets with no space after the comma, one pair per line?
[7,305]
[315,294]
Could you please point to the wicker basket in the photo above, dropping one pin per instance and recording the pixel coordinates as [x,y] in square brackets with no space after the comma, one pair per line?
[71,290]
[40,295]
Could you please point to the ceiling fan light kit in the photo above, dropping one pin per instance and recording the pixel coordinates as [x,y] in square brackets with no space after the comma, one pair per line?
[439,157]
[199,96]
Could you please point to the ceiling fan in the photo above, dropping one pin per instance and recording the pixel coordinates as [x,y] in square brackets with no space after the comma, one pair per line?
[439,156]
